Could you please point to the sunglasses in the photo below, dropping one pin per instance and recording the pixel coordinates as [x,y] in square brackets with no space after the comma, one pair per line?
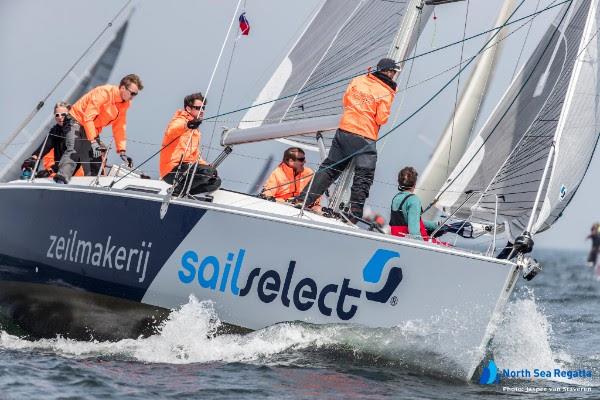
[301,159]
[133,94]
[60,115]
[198,108]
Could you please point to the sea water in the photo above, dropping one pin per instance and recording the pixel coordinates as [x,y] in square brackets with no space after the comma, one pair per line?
[551,323]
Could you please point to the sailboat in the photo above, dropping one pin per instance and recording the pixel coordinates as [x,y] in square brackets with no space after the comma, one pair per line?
[117,253]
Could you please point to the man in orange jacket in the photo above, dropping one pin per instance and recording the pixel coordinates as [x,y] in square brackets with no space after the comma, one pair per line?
[290,176]
[367,104]
[101,106]
[180,152]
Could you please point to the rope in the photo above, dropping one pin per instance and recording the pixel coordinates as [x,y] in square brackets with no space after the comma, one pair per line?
[506,111]
[524,43]
[435,95]
[224,87]
[42,102]
[347,78]
[462,48]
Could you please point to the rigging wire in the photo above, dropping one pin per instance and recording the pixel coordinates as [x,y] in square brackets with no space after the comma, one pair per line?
[462,48]
[224,86]
[42,102]
[507,22]
[524,43]
[403,95]
[190,173]
[451,181]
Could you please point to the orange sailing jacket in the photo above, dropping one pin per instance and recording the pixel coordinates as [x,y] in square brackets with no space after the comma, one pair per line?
[179,140]
[100,107]
[283,184]
[367,104]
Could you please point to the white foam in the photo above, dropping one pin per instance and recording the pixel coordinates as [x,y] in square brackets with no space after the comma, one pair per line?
[524,340]
[186,336]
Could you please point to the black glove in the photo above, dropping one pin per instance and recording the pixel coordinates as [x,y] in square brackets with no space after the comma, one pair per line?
[43,173]
[194,124]
[28,164]
[95,150]
[126,159]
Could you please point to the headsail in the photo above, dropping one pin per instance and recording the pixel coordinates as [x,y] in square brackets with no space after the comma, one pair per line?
[455,138]
[343,39]
[97,75]
[552,100]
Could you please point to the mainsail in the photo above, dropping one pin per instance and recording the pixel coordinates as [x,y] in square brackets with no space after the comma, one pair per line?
[344,38]
[455,138]
[546,121]
[97,75]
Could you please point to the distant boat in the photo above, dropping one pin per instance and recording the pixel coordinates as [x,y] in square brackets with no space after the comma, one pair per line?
[97,258]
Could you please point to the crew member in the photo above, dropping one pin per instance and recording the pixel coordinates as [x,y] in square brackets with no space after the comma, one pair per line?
[290,176]
[101,106]
[54,145]
[405,216]
[367,104]
[180,154]
[595,237]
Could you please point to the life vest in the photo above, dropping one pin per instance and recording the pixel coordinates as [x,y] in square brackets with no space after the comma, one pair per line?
[284,184]
[180,143]
[367,103]
[399,224]
[100,107]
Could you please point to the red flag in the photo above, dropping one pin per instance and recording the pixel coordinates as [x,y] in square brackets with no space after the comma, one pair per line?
[244,24]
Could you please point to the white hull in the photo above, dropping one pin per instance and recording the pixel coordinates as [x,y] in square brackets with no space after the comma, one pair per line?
[256,260]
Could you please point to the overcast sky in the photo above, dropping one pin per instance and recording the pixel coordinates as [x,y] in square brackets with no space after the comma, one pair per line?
[174,46]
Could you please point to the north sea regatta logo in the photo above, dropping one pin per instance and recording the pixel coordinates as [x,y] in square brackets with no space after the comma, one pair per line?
[269,285]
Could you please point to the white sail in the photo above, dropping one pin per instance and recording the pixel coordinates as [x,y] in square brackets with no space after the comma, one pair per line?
[344,38]
[577,135]
[453,142]
[506,161]
[97,75]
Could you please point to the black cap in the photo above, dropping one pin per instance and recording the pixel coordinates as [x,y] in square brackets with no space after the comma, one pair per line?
[386,64]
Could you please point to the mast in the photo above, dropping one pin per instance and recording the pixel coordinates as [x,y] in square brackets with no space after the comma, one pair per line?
[453,142]
[401,46]
[97,74]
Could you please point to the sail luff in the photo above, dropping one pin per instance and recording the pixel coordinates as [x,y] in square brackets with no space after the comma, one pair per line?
[256,115]
[584,60]
[455,138]
[91,77]
[519,133]
[309,74]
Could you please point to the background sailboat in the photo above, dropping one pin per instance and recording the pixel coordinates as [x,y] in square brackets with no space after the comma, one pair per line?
[97,74]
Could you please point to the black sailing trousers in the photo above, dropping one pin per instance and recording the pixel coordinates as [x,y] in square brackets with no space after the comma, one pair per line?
[345,147]
[78,152]
[204,180]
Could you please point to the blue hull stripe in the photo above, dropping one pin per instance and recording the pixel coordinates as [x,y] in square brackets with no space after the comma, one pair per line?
[102,243]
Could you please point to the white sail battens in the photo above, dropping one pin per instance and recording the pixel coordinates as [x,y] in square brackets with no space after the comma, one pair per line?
[344,38]
[578,128]
[509,158]
[453,142]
